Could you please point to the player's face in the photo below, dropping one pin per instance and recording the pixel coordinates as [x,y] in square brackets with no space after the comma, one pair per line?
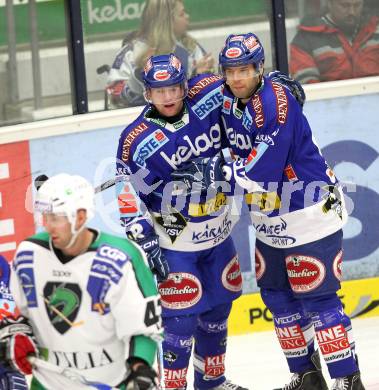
[180,20]
[58,228]
[167,100]
[346,13]
[242,80]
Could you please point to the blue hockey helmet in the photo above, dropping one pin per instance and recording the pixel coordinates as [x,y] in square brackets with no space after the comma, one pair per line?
[163,71]
[241,49]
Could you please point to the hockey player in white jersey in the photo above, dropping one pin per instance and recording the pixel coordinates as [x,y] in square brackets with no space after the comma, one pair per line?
[89,304]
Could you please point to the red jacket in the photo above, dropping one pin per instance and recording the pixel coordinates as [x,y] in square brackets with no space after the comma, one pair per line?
[321,52]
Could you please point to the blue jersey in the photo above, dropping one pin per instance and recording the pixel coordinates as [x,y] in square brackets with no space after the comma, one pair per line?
[7,304]
[7,309]
[290,186]
[150,149]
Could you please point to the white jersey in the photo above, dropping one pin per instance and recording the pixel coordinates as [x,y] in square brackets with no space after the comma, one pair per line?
[89,314]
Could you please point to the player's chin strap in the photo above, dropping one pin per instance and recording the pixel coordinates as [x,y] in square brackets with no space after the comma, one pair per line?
[75,233]
[259,74]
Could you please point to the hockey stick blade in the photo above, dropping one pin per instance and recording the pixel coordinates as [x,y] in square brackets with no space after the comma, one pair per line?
[68,373]
[102,187]
[107,184]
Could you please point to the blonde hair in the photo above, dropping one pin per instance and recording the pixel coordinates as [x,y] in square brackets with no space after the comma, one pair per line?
[156,29]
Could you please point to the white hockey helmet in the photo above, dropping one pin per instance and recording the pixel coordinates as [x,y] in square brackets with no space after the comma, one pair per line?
[65,194]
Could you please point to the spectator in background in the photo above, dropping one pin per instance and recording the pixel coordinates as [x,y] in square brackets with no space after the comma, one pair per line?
[342,44]
[163,29]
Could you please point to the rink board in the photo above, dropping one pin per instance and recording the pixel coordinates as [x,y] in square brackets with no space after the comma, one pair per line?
[359,297]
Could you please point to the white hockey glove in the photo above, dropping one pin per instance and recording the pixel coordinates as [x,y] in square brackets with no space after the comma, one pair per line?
[17,343]
[13,380]
[141,376]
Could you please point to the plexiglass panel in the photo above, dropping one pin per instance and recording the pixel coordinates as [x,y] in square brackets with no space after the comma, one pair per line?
[332,39]
[121,34]
[34,71]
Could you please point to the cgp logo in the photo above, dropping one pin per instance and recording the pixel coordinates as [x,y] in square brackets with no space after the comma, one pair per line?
[180,291]
[161,75]
[305,273]
[233,52]
[112,253]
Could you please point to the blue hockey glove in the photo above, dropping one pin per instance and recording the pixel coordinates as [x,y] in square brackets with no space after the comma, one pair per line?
[294,86]
[200,174]
[13,380]
[155,257]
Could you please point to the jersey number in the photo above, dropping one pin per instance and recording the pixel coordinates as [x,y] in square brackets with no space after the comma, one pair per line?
[152,313]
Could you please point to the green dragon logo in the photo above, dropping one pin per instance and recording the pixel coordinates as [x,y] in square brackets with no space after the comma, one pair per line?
[62,301]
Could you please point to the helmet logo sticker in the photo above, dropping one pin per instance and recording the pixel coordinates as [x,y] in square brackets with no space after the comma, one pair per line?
[236,38]
[161,75]
[233,52]
[174,61]
[251,43]
[148,66]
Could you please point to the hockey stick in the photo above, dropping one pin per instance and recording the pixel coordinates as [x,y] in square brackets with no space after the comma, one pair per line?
[160,354]
[102,187]
[61,315]
[68,373]
[107,184]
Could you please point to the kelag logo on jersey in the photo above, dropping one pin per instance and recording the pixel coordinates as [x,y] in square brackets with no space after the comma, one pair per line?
[241,141]
[194,146]
[148,147]
[208,103]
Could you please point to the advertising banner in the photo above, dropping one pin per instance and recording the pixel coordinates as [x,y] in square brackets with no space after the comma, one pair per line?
[360,298]
[117,16]
[15,176]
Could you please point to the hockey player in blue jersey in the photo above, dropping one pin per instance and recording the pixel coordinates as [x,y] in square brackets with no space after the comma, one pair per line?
[188,244]
[10,378]
[297,209]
